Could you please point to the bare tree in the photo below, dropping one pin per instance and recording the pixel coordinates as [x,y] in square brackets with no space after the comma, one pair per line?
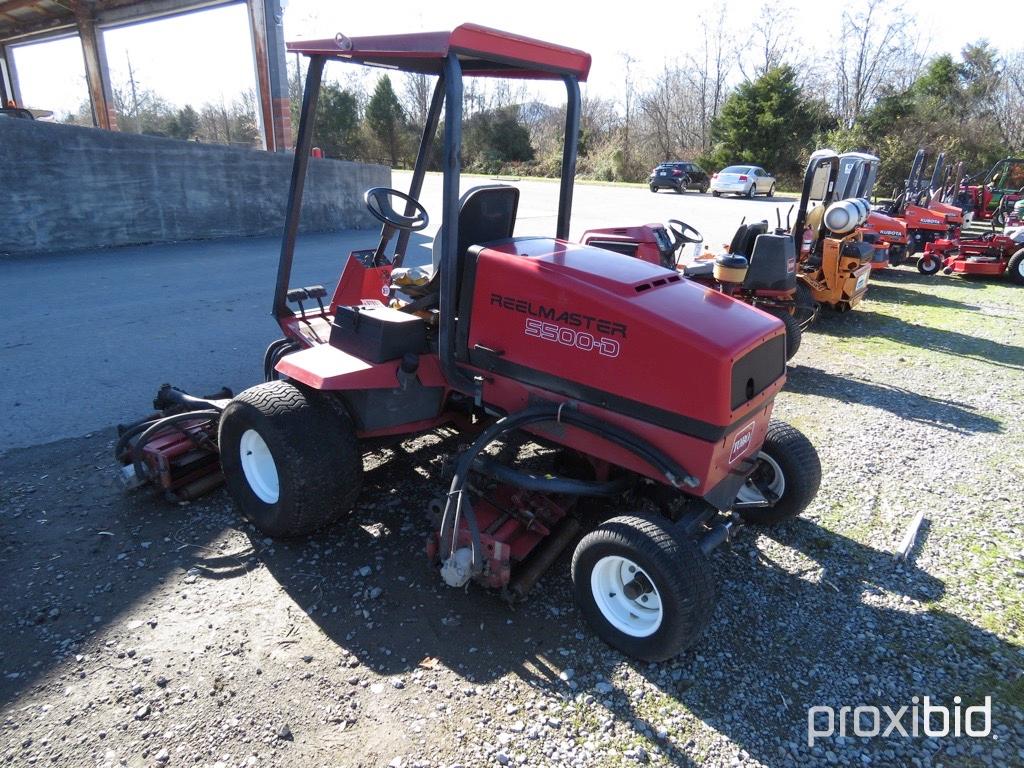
[880,53]
[773,39]
[1008,101]
[709,70]
[417,89]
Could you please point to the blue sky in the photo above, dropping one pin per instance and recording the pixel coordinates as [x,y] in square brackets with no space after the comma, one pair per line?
[206,56]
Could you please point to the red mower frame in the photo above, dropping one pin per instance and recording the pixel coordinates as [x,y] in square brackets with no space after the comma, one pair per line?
[646,385]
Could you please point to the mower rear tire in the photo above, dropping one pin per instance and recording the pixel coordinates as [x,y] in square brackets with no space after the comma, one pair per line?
[928,265]
[1015,269]
[715,193]
[643,588]
[789,467]
[291,462]
[794,335]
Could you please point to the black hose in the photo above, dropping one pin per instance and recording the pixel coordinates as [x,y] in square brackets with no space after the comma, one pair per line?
[674,474]
[550,484]
[130,432]
[159,426]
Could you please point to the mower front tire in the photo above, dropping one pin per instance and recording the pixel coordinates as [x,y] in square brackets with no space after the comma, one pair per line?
[928,265]
[788,468]
[291,462]
[644,589]
[1015,269]
[794,334]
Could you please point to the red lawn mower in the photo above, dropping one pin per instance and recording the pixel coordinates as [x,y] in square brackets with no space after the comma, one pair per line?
[642,380]
[1002,186]
[926,218]
[992,254]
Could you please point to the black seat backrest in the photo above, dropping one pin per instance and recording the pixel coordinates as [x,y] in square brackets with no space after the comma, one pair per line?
[486,214]
[743,241]
[772,264]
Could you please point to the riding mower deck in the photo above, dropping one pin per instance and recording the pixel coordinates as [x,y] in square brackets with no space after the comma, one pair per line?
[993,254]
[648,384]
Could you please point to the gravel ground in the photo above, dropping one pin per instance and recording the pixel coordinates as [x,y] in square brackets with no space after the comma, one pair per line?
[146,634]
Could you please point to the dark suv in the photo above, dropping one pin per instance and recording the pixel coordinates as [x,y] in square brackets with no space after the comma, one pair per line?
[679,176]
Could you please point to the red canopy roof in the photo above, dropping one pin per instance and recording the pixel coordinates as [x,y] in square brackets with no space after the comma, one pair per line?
[481,51]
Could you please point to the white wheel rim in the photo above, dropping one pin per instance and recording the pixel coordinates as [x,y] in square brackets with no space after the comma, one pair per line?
[259,467]
[1020,267]
[637,618]
[751,493]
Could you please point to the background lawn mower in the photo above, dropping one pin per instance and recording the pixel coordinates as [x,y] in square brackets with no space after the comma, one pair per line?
[888,235]
[1001,187]
[766,279]
[834,261]
[992,254]
[924,224]
[648,384]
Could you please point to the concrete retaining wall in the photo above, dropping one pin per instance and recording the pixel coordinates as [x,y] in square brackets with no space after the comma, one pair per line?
[65,187]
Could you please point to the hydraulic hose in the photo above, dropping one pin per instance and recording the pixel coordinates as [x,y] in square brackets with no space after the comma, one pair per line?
[159,426]
[549,484]
[674,474]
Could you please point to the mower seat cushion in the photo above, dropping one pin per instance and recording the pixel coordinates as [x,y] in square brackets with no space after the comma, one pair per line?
[699,269]
[772,264]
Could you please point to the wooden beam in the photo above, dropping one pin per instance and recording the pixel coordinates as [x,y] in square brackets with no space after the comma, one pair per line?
[258,33]
[95,69]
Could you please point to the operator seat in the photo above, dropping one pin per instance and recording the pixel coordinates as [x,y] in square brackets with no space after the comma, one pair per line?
[486,214]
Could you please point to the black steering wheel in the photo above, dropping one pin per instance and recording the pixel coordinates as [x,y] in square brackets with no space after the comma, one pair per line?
[379,204]
[683,234]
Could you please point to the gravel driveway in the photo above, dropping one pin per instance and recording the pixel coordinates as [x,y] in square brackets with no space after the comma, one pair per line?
[146,634]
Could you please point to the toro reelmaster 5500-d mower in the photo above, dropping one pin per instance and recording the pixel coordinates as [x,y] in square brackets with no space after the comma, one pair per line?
[643,379]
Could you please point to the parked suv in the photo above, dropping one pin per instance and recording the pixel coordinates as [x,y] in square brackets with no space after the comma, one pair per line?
[679,176]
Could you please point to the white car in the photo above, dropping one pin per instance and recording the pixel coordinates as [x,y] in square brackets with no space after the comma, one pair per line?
[745,180]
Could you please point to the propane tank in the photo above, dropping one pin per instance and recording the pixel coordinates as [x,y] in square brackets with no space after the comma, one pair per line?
[846,215]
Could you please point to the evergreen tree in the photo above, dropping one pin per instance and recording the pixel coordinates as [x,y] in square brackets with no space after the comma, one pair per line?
[386,120]
[767,121]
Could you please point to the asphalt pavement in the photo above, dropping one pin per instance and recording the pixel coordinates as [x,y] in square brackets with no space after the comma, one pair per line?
[87,337]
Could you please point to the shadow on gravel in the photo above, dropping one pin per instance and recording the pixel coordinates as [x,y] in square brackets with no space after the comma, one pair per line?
[863,323]
[837,623]
[78,553]
[910,276]
[893,294]
[852,627]
[913,406]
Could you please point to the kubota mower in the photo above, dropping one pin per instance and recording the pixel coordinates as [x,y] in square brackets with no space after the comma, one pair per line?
[767,281]
[888,235]
[924,224]
[643,379]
